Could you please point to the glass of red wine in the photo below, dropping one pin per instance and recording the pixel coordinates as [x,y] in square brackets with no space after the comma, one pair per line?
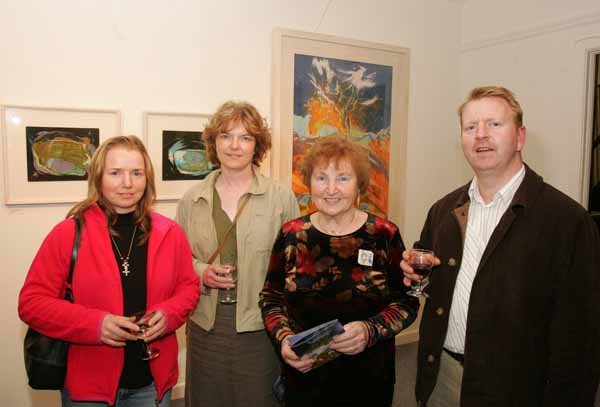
[421,261]
[141,320]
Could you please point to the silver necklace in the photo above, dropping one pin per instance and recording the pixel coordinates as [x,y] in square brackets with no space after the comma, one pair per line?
[342,228]
[125,261]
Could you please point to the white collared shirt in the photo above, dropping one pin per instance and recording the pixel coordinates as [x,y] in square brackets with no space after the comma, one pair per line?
[481,222]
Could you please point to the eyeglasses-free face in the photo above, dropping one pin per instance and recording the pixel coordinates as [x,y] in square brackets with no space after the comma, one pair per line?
[491,140]
[334,187]
[124,179]
[235,148]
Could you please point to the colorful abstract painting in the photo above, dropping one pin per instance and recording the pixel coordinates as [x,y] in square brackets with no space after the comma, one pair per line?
[184,156]
[353,100]
[59,153]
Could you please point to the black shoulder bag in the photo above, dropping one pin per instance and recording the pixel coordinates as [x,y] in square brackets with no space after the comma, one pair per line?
[46,358]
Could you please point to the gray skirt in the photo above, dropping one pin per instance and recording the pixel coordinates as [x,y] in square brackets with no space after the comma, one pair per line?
[227,369]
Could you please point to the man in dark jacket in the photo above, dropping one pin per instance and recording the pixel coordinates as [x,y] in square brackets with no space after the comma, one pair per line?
[513,314]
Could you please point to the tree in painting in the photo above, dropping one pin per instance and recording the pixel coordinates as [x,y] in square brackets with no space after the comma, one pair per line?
[353,100]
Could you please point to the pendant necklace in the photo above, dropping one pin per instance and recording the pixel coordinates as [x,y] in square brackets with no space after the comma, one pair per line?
[125,261]
[338,231]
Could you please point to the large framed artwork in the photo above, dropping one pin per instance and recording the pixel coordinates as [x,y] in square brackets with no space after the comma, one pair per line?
[325,85]
[178,154]
[47,151]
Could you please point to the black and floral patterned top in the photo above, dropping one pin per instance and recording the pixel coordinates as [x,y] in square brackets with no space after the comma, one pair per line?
[314,277]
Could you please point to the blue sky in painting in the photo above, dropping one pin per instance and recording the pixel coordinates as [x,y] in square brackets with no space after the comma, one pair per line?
[376,119]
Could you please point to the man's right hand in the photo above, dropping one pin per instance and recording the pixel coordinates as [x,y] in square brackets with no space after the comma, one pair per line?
[409,273]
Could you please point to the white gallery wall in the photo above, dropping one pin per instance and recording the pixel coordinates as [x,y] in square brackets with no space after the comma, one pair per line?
[538,49]
[190,56]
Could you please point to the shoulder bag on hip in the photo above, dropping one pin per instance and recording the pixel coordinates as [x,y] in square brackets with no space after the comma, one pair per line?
[46,358]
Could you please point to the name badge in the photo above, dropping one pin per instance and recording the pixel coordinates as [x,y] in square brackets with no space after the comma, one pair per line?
[365,257]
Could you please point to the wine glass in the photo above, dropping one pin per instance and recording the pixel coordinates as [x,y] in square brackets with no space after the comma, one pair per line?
[230,294]
[421,261]
[141,320]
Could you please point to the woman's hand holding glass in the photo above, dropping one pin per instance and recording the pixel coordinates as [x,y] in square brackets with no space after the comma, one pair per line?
[217,276]
[157,324]
[150,326]
[290,357]
[354,339]
[116,330]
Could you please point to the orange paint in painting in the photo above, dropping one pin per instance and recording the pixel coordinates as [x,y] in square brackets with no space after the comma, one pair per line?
[382,150]
[377,193]
[323,113]
[297,184]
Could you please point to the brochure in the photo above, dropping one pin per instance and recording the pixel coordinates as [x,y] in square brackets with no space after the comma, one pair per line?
[314,342]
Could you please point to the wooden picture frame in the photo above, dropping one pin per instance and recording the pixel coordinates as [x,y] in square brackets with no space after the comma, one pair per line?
[338,62]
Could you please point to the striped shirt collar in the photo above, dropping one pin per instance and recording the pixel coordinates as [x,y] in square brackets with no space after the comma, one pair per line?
[504,194]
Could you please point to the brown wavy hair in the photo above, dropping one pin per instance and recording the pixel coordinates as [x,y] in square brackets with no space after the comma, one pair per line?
[94,193]
[229,114]
[337,148]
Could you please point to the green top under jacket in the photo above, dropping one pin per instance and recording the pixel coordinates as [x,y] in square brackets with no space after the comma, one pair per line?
[271,204]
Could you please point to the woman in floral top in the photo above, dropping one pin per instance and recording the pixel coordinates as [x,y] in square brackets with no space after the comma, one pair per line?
[338,262]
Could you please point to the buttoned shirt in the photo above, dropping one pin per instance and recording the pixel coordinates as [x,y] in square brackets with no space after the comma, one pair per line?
[481,222]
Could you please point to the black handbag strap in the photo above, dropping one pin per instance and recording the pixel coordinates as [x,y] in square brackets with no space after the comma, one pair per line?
[76,242]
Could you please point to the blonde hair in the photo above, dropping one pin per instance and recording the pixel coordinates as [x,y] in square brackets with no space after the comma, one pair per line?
[498,92]
[229,114]
[94,193]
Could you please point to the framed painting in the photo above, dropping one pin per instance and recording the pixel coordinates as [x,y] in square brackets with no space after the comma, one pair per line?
[47,151]
[178,154]
[324,85]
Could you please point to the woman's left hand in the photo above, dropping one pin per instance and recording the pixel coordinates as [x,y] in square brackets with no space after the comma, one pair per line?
[353,340]
[158,323]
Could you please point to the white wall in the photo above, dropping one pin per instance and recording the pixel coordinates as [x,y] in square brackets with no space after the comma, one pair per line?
[538,50]
[189,56]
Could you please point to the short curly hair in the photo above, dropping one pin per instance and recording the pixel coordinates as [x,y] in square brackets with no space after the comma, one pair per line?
[337,148]
[229,114]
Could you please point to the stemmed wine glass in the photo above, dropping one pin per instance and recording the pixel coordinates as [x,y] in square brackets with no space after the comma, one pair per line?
[421,261]
[141,320]
[230,294]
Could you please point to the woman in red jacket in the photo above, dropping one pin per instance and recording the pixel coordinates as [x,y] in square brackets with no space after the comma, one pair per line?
[131,261]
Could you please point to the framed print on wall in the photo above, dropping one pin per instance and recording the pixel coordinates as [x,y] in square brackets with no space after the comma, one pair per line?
[325,85]
[178,154]
[47,151]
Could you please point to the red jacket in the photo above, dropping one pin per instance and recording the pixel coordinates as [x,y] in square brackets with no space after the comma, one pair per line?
[94,369]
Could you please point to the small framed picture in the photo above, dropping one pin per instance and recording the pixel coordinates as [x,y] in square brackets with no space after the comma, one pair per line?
[47,151]
[177,151]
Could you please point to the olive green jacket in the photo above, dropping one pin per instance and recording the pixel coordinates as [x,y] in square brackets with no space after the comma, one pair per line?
[271,204]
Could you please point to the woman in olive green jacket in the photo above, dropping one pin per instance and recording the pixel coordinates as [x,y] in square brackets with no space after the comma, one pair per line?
[230,360]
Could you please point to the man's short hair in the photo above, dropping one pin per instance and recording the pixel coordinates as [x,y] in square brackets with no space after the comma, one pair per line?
[498,92]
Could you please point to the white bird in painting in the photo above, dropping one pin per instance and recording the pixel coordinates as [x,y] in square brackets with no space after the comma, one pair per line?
[358,78]
[369,102]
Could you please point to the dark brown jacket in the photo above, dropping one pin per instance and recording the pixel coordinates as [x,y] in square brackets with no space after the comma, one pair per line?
[532,334]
